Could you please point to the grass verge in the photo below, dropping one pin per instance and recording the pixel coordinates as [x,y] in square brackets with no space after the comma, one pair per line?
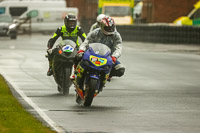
[13,117]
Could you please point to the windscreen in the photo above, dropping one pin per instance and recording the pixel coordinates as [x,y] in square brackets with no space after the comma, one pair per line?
[195,14]
[68,42]
[17,11]
[99,48]
[117,10]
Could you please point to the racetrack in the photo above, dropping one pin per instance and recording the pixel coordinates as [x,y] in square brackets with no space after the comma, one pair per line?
[159,93]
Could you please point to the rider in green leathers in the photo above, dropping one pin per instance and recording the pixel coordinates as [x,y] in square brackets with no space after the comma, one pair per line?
[70,30]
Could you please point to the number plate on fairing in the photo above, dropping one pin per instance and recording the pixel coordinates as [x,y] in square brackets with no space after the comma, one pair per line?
[98,61]
[68,48]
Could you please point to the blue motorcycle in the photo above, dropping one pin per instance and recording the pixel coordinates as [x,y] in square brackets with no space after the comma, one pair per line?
[92,73]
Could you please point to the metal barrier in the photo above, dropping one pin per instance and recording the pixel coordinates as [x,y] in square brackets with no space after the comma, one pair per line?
[160,33]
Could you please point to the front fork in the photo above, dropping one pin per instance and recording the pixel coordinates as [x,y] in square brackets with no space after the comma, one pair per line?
[82,78]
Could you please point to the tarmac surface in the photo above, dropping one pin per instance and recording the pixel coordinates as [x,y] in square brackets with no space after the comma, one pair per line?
[159,93]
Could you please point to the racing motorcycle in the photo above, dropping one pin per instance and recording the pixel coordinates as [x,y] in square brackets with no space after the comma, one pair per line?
[62,62]
[92,73]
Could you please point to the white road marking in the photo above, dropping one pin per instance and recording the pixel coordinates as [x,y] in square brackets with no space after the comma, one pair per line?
[53,125]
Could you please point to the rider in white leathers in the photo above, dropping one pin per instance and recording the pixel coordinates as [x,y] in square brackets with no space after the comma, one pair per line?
[108,35]
[97,24]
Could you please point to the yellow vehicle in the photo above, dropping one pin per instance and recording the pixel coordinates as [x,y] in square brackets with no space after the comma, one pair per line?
[193,17]
[120,10]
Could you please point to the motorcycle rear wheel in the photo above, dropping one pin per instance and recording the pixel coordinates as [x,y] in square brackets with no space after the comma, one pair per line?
[92,86]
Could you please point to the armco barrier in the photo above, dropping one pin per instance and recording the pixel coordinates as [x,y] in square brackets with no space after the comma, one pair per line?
[160,33]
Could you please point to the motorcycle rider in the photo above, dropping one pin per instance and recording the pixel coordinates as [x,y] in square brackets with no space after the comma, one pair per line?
[108,35]
[70,30]
[98,21]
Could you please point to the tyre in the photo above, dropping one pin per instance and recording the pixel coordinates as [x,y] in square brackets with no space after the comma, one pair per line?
[89,95]
[58,75]
[61,75]
[65,81]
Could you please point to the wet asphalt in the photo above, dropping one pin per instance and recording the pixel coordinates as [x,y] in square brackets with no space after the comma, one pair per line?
[159,93]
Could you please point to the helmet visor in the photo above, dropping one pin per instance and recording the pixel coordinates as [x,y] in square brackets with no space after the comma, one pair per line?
[109,28]
[71,23]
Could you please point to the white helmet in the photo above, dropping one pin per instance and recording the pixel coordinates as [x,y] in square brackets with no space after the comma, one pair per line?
[100,17]
[107,25]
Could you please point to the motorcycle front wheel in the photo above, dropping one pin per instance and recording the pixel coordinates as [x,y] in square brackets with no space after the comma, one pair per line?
[89,95]
[66,82]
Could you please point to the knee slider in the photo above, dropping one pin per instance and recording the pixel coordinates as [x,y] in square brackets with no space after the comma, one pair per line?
[118,71]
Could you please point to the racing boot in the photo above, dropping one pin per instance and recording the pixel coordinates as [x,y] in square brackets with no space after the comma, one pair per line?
[118,71]
[109,78]
[49,72]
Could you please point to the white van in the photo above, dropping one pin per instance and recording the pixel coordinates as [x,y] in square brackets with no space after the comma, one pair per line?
[16,8]
[45,19]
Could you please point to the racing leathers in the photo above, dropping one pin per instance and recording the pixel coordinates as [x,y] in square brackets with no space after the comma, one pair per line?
[114,42]
[65,33]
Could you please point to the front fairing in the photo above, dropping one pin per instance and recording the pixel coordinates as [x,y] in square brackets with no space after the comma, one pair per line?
[96,64]
[65,51]
[97,57]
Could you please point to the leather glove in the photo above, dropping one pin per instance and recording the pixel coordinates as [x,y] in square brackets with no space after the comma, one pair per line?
[49,51]
[114,59]
[79,54]
[49,45]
